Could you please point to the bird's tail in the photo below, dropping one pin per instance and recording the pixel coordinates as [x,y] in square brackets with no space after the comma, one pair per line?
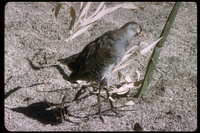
[69,60]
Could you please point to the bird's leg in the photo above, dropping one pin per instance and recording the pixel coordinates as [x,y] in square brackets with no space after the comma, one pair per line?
[102,83]
[108,95]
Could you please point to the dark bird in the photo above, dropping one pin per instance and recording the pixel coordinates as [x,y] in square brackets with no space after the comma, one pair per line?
[98,59]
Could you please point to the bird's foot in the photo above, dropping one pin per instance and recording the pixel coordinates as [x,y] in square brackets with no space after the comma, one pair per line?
[115,111]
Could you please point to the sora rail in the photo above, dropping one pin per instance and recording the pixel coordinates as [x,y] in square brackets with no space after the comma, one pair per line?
[98,59]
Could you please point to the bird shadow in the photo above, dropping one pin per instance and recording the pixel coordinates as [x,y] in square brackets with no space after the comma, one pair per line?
[51,113]
[40,111]
[58,67]
[43,112]
[6,95]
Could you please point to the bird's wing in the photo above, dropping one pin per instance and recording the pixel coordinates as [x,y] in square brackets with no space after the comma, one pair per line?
[94,57]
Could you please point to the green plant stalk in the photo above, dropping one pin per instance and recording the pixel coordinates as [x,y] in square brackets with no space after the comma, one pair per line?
[156,52]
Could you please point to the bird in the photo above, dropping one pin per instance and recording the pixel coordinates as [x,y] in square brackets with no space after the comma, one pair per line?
[99,58]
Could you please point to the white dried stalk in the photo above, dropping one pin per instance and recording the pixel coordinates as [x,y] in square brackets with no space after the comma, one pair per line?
[148,48]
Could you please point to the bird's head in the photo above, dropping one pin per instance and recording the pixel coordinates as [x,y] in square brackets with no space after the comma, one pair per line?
[133,29]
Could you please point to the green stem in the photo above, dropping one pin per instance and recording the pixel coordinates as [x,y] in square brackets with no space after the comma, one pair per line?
[157,49]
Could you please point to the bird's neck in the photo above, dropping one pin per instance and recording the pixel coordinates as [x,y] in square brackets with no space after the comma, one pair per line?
[120,34]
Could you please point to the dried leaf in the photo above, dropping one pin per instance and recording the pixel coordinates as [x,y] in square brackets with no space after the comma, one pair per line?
[83,13]
[123,92]
[73,17]
[97,10]
[113,100]
[130,5]
[80,31]
[129,103]
[108,10]
[130,49]
[90,20]
[123,89]
[57,9]
[126,56]
[79,81]
[102,13]
[128,78]
[141,8]
[68,39]
[148,48]
[85,9]
[81,6]
[123,59]
[144,43]
[137,83]
[118,67]
[138,75]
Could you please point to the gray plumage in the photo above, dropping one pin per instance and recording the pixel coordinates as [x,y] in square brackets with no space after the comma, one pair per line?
[100,57]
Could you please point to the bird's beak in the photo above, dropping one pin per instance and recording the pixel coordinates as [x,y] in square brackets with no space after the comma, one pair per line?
[143,35]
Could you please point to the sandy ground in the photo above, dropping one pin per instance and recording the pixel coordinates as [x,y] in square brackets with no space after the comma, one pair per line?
[31,33]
